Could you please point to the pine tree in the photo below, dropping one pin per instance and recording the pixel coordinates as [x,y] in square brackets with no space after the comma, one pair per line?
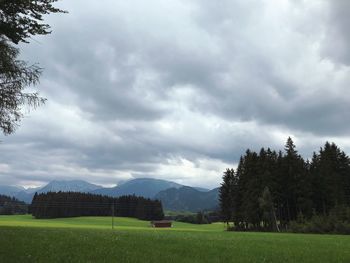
[226,195]
[19,20]
[251,183]
[267,206]
[269,187]
[331,178]
[294,173]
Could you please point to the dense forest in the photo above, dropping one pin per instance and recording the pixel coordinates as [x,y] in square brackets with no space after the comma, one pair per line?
[12,206]
[275,191]
[71,204]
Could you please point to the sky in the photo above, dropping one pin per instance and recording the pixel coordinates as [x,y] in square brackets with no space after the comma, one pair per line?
[179,89]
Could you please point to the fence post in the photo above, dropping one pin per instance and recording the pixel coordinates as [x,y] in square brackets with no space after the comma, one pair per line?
[113,214]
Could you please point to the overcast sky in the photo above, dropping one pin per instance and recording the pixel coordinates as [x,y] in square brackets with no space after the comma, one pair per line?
[179,89]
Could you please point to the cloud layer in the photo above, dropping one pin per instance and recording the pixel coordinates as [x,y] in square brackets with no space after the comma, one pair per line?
[179,89]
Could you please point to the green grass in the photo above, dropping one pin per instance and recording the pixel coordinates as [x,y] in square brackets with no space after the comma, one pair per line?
[176,213]
[121,223]
[90,239]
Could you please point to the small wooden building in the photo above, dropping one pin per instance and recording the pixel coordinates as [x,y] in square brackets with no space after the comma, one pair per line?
[162,223]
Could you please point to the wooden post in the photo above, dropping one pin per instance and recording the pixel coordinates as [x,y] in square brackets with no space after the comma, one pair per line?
[113,215]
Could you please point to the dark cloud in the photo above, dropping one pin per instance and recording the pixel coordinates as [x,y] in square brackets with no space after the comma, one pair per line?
[180,89]
[337,39]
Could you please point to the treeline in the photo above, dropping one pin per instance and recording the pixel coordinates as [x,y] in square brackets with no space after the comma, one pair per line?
[275,191]
[12,206]
[201,217]
[72,204]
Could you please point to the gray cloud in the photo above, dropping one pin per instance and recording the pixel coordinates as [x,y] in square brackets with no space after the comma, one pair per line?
[337,38]
[179,89]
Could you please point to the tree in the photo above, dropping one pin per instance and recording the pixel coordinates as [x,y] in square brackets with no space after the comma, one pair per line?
[71,204]
[226,195]
[277,191]
[201,218]
[20,20]
[11,206]
[331,178]
[295,184]
[267,206]
[15,75]
[251,187]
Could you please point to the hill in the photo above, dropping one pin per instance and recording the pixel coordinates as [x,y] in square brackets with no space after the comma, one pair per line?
[146,187]
[69,186]
[10,190]
[26,195]
[188,199]
[174,196]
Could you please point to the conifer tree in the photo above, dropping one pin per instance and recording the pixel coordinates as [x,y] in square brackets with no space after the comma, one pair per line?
[268,209]
[331,178]
[270,187]
[226,195]
[19,20]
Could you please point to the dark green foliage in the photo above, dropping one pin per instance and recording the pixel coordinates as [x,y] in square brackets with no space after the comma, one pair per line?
[273,188]
[73,204]
[336,222]
[226,195]
[19,20]
[15,75]
[331,176]
[12,206]
[268,210]
[200,217]
[296,182]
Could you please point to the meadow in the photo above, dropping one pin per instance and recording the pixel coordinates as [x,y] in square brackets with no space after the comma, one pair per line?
[91,239]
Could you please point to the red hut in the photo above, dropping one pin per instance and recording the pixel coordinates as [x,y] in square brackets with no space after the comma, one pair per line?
[162,223]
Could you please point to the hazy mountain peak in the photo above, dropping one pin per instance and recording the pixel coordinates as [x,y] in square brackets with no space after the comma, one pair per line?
[146,187]
[188,199]
[10,190]
[53,186]
[69,185]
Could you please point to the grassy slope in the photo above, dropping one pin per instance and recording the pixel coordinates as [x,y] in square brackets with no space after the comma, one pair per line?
[100,223]
[90,240]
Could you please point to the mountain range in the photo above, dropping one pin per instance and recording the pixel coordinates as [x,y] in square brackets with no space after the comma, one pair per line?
[10,190]
[188,198]
[26,195]
[145,187]
[174,196]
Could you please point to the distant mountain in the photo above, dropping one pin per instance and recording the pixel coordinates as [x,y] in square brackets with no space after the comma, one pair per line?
[10,190]
[146,187]
[174,196]
[32,190]
[201,189]
[188,199]
[69,186]
[26,195]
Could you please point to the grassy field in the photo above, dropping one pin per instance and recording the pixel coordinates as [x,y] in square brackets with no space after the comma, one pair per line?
[90,239]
